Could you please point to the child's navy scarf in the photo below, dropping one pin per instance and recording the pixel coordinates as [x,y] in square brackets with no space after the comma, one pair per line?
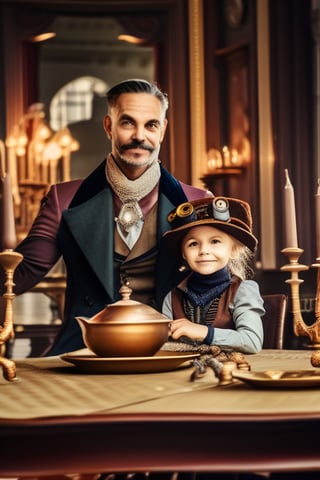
[202,289]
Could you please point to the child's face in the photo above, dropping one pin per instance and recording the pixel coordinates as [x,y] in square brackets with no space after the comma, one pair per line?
[207,249]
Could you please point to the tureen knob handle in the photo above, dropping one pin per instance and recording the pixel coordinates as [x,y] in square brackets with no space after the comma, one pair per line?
[125,291]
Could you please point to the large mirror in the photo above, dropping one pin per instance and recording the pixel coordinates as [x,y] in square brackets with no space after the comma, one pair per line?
[76,68]
[32,71]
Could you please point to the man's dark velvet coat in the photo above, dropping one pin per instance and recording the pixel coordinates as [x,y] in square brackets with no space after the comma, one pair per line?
[76,220]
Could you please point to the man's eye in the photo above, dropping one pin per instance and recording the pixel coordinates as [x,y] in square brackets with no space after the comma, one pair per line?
[126,122]
[153,125]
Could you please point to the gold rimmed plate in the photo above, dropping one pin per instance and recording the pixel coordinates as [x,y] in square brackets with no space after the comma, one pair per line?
[162,361]
[280,378]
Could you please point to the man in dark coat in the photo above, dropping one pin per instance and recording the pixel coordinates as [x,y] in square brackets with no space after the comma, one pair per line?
[108,227]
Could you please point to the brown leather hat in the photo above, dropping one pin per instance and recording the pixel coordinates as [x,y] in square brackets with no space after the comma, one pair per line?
[230,215]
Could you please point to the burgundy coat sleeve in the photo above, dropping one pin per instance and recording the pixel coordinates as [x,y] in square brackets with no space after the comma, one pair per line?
[39,249]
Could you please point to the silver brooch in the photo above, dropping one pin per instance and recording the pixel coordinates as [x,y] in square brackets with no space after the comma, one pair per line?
[129,215]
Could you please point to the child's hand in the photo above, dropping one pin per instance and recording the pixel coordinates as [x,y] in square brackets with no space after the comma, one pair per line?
[183,327]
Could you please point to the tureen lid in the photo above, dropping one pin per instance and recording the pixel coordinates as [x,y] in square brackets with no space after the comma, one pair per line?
[127,310]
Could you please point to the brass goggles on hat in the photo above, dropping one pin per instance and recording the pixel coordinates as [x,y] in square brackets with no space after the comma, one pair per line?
[186,213]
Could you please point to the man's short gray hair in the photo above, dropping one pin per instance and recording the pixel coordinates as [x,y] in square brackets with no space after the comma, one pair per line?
[136,85]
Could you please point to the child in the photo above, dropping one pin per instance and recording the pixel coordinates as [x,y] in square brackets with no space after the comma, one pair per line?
[217,304]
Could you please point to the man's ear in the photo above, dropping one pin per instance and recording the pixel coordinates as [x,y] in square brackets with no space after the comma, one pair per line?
[164,128]
[107,126]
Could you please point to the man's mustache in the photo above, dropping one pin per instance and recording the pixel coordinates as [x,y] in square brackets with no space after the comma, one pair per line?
[129,146]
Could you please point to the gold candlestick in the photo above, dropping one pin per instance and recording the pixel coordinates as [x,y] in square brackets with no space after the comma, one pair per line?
[9,261]
[300,328]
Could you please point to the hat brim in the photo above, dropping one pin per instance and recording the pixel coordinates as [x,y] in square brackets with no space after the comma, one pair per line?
[172,238]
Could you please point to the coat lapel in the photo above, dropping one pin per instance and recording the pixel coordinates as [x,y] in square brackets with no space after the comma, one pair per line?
[164,207]
[96,239]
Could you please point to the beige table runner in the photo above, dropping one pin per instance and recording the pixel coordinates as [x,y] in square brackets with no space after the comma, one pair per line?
[48,387]
[242,399]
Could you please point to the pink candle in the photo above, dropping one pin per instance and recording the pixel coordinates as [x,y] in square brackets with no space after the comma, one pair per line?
[291,239]
[317,211]
[8,238]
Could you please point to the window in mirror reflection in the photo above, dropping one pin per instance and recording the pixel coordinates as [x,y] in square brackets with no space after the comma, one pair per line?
[74,101]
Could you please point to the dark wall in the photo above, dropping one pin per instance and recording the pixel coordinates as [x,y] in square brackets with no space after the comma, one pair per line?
[292,94]
[231,45]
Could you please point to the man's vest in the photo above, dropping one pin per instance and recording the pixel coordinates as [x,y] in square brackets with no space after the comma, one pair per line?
[137,266]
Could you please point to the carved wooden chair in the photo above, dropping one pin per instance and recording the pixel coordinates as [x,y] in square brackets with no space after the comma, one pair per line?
[274,320]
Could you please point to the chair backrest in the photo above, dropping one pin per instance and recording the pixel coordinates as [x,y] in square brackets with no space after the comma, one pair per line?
[274,320]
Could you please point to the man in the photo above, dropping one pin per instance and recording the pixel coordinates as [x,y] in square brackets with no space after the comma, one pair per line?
[107,227]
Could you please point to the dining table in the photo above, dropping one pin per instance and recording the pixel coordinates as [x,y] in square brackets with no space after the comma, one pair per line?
[81,413]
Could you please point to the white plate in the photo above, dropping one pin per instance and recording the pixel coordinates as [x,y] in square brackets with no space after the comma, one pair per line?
[162,361]
[280,378]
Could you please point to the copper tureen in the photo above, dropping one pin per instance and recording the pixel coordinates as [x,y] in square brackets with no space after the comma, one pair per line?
[126,328]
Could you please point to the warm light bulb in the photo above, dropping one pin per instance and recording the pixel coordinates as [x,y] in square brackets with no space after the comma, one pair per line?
[131,39]
[214,159]
[75,145]
[43,132]
[10,141]
[22,140]
[52,151]
[64,138]
[42,37]
[235,157]
[20,151]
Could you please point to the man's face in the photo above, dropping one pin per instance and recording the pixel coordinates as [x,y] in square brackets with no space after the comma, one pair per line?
[136,126]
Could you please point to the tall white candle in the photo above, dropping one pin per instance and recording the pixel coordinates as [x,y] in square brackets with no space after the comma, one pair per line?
[8,237]
[291,238]
[8,234]
[317,212]
[2,159]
